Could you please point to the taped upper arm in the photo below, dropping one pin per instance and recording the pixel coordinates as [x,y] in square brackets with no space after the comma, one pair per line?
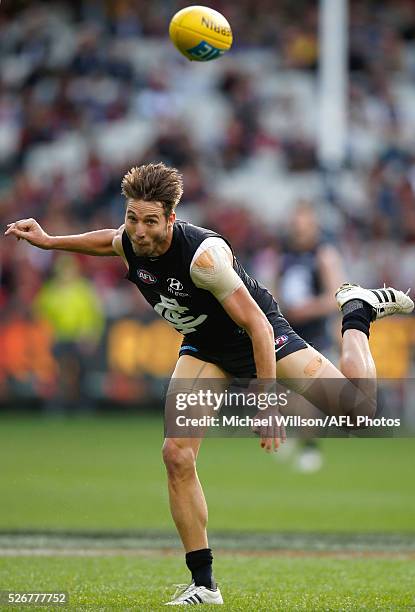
[212,269]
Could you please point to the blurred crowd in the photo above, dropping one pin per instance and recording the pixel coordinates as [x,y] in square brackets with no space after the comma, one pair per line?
[89,88]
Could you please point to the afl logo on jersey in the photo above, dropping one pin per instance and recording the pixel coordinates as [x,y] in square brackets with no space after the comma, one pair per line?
[175,284]
[280,342]
[146,277]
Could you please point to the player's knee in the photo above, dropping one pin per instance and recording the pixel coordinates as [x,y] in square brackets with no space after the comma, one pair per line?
[372,407]
[360,406]
[179,460]
[350,368]
[367,411]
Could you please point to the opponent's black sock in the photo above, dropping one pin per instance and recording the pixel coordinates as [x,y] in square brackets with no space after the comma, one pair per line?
[357,315]
[199,563]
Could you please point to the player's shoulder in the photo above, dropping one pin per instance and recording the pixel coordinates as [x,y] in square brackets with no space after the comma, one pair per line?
[117,243]
[195,236]
[189,229]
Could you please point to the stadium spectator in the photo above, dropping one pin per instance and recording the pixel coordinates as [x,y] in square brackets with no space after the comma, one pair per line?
[77,327]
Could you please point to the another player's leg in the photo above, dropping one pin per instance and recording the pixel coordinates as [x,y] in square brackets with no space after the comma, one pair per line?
[360,307]
[313,376]
[187,501]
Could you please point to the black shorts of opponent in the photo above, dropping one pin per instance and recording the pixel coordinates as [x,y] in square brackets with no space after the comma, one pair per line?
[237,357]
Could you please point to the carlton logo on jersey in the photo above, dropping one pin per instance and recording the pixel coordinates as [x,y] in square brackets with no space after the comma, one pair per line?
[170,309]
[146,277]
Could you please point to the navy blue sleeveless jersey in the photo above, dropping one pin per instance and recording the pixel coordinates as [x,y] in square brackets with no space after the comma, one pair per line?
[166,284]
[300,275]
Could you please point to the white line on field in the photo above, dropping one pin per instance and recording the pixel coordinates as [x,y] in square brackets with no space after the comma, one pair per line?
[153,552]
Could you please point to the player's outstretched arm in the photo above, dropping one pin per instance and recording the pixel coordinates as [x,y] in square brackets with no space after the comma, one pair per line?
[99,242]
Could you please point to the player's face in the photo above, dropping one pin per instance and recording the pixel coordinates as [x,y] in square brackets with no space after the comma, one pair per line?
[148,229]
[304,228]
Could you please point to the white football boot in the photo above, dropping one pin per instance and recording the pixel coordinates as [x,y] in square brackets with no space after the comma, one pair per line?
[386,301]
[188,595]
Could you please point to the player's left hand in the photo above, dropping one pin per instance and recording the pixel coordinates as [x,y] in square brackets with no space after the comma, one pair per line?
[271,436]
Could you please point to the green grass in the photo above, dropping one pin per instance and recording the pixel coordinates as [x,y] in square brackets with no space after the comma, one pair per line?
[247,582]
[108,474]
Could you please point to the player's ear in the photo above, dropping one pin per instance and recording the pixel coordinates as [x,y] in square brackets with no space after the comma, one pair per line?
[171,219]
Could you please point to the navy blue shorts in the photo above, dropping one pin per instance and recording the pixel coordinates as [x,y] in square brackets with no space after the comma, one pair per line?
[237,357]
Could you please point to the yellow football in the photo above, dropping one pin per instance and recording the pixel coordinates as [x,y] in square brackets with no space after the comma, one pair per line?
[200,33]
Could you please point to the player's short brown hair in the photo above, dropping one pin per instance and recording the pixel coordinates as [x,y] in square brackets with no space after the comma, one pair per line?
[154,183]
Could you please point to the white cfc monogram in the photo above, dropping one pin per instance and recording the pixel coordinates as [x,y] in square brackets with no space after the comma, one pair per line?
[170,309]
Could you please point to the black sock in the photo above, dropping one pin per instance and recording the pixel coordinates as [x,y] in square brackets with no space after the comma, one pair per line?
[199,563]
[357,315]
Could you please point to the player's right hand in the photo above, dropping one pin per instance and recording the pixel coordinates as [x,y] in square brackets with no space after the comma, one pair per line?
[30,230]
[271,436]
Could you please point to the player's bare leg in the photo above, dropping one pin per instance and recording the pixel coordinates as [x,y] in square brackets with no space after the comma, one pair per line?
[310,374]
[360,307]
[187,501]
[302,370]
[356,361]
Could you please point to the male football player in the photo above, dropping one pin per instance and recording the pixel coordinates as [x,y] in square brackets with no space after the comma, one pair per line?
[232,327]
[310,271]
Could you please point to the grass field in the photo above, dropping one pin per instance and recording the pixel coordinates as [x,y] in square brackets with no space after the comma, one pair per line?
[247,582]
[108,474]
[84,509]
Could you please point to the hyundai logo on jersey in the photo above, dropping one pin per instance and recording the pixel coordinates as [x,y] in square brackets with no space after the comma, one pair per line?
[175,284]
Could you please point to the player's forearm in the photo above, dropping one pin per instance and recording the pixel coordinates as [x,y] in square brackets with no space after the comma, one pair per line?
[312,309]
[98,242]
[262,337]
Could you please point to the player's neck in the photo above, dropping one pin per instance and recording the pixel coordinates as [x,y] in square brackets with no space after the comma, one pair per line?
[164,246]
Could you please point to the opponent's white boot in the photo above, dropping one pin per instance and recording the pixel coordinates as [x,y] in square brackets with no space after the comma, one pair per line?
[386,301]
[188,595]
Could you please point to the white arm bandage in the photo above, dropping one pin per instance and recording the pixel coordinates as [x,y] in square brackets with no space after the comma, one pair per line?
[212,269]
